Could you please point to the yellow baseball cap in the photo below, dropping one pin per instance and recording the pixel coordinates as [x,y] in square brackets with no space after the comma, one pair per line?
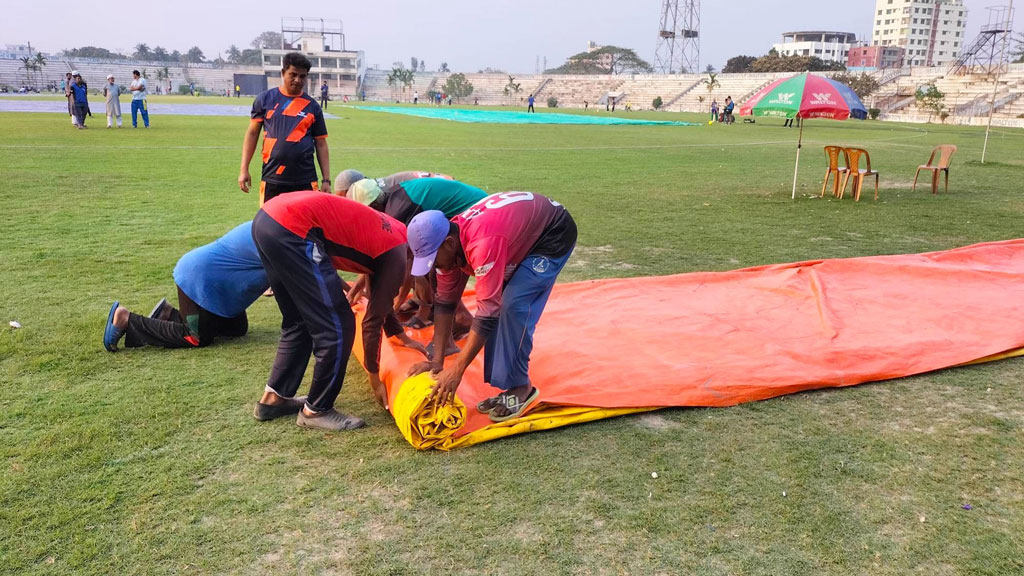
[365,191]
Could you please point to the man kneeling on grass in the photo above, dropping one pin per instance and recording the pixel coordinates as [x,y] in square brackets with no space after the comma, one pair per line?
[215,282]
[304,238]
[515,244]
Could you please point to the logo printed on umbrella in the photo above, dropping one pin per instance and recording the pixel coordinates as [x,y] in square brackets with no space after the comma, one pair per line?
[783,98]
[822,98]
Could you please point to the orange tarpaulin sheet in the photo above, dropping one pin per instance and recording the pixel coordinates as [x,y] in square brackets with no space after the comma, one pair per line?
[608,347]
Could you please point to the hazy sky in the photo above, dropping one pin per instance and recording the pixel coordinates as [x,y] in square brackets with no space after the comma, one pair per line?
[469,35]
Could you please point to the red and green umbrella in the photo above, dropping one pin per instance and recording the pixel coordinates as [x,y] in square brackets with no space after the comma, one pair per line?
[805,96]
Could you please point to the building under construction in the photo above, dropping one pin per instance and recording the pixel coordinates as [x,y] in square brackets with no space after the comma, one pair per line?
[323,42]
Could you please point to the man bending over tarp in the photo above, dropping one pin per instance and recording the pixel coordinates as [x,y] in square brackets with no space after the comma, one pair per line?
[403,202]
[515,244]
[386,187]
[216,283]
[346,178]
[304,238]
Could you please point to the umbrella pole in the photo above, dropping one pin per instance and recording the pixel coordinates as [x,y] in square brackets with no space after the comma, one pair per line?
[796,168]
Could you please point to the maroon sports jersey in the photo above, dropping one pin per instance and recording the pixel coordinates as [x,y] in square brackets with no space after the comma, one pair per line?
[497,233]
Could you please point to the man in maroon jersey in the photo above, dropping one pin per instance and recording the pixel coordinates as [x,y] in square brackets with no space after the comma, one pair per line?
[303,239]
[515,244]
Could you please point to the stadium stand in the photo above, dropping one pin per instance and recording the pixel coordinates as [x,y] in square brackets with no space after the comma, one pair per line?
[215,80]
[968,97]
[739,86]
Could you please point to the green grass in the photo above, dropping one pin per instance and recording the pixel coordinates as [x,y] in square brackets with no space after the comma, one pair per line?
[149,462]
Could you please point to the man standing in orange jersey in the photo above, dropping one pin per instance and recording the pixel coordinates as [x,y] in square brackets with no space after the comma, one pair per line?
[295,128]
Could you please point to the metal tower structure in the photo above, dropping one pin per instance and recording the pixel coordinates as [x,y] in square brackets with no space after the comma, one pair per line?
[987,53]
[678,49]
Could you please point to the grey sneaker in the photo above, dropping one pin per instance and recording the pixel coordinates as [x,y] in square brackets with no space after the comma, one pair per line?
[264,412]
[330,420]
[159,310]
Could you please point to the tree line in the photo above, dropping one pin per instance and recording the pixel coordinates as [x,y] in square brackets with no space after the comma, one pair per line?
[775,62]
[251,56]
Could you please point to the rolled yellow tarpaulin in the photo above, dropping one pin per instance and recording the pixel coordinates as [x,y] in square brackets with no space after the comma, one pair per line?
[425,426]
[420,422]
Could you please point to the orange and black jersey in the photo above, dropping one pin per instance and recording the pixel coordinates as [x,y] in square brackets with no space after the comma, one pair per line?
[290,125]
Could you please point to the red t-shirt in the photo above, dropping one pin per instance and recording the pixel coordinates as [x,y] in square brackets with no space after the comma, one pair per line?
[357,239]
[353,234]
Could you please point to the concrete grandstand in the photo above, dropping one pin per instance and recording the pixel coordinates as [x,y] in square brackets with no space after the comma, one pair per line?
[968,97]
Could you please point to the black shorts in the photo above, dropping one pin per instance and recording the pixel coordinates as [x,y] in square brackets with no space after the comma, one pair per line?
[270,189]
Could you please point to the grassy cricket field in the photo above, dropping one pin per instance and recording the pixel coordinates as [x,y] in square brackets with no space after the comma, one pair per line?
[149,461]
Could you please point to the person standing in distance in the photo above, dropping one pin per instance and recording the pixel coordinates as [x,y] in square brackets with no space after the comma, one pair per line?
[112,92]
[69,94]
[138,89]
[295,129]
[529,101]
[80,93]
[324,90]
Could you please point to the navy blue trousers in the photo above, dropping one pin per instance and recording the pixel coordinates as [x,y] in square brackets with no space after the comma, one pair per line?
[315,315]
[508,348]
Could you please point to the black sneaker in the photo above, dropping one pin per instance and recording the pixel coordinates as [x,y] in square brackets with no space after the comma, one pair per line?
[264,412]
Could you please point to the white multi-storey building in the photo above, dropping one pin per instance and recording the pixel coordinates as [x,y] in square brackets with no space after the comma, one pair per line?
[323,42]
[829,46]
[931,32]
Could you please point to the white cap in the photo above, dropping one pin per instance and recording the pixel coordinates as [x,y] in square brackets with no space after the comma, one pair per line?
[75,73]
[110,76]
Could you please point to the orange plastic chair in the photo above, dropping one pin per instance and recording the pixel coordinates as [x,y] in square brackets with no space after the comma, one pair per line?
[946,152]
[853,161]
[833,168]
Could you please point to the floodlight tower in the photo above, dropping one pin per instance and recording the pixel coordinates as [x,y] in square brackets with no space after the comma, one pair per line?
[678,50]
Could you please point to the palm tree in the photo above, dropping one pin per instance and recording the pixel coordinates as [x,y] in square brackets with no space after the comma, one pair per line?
[512,89]
[28,64]
[711,83]
[141,51]
[393,77]
[163,74]
[195,55]
[406,76]
[234,54]
[40,63]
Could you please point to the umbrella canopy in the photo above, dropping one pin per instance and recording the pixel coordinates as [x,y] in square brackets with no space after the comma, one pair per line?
[805,96]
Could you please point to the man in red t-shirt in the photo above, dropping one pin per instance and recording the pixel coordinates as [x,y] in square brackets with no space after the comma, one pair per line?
[515,244]
[303,239]
[294,128]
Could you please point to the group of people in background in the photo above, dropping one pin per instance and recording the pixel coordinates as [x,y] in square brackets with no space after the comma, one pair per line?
[76,90]
[724,114]
[416,233]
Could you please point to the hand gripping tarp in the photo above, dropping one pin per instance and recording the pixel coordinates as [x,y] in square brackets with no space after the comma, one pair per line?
[610,347]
